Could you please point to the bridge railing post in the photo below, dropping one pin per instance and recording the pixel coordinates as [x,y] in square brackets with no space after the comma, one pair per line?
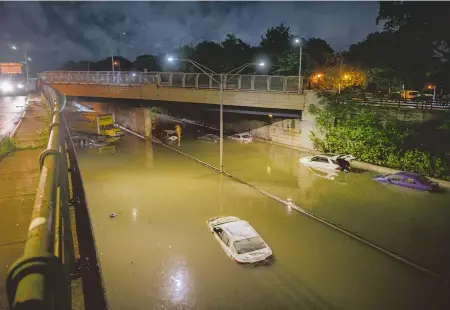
[196,80]
[252,82]
[239,82]
[268,80]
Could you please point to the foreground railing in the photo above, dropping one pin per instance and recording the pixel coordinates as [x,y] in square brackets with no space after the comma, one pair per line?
[176,79]
[40,279]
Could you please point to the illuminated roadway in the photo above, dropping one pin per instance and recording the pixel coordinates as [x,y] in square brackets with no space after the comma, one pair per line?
[157,253]
[11,109]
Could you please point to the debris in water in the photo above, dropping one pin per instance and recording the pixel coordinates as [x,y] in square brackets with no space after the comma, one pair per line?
[132,261]
[170,246]
[113,215]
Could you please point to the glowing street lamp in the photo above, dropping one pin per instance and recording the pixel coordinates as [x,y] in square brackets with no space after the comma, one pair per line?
[433,87]
[299,41]
[15,48]
[318,76]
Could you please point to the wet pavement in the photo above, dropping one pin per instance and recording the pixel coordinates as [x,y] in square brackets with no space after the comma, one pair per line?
[11,109]
[157,253]
[19,177]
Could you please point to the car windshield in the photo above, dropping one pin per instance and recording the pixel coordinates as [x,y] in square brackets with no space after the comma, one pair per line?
[246,136]
[110,126]
[249,245]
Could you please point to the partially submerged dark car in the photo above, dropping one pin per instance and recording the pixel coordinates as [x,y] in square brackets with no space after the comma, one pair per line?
[409,180]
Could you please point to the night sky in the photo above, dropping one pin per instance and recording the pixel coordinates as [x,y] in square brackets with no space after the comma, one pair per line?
[54,32]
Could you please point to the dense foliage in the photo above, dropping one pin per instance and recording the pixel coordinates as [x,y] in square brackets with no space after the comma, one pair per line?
[377,137]
[7,145]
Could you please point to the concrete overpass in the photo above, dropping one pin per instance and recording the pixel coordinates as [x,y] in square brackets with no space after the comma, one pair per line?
[257,91]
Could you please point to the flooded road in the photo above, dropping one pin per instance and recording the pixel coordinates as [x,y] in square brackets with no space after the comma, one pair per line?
[157,253]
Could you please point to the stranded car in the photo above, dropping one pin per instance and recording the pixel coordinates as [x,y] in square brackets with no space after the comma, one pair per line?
[169,136]
[90,141]
[210,137]
[239,240]
[328,161]
[243,137]
[409,180]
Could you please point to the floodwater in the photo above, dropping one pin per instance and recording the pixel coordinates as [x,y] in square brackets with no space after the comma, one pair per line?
[157,253]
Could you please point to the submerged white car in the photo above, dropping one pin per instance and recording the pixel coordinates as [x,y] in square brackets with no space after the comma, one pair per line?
[170,136]
[210,137]
[328,161]
[239,240]
[243,137]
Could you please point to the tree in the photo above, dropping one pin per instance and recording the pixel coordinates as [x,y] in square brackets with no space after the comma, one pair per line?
[319,52]
[209,54]
[145,62]
[235,52]
[276,42]
[426,21]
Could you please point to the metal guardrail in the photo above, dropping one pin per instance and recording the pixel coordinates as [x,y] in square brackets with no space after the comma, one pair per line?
[40,278]
[435,105]
[267,83]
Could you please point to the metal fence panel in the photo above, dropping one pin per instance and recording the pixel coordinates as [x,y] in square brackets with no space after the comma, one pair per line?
[177,79]
[203,80]
[232,82]
[165,78]
[292,83]
[246,82]
[189,80]
[260,82]
[277,83]
[215,82]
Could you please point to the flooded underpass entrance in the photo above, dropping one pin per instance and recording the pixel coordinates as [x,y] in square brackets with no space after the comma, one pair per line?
[157,252]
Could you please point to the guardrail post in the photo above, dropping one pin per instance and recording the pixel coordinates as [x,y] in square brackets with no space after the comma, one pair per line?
[239,81]
[268,80]
[210,82]
[252,82]
[183,80]
[170,78]
[196,80]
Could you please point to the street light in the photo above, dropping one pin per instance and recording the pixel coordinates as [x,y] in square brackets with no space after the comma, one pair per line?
[434,90]
[300,80]
[222,82]
[318,76]
[13,47]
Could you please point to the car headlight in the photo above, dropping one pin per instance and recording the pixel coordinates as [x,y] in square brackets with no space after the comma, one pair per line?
[6,86]
[20,85]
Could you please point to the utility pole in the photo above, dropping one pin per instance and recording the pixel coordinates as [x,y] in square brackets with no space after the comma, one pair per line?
[26,66]
[340,72]
[300,80]
[112,61]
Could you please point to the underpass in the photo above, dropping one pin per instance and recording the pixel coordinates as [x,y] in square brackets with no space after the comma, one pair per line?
[158,253]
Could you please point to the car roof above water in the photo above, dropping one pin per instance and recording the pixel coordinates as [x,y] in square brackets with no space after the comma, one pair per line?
[240,229]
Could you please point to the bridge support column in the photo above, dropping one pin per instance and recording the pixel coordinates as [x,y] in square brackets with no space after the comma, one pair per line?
[147,123]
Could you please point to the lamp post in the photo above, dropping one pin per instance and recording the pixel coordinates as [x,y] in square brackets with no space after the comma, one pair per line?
[300,80]
[434,91]
[25,62]
[318,76]
[222,83]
